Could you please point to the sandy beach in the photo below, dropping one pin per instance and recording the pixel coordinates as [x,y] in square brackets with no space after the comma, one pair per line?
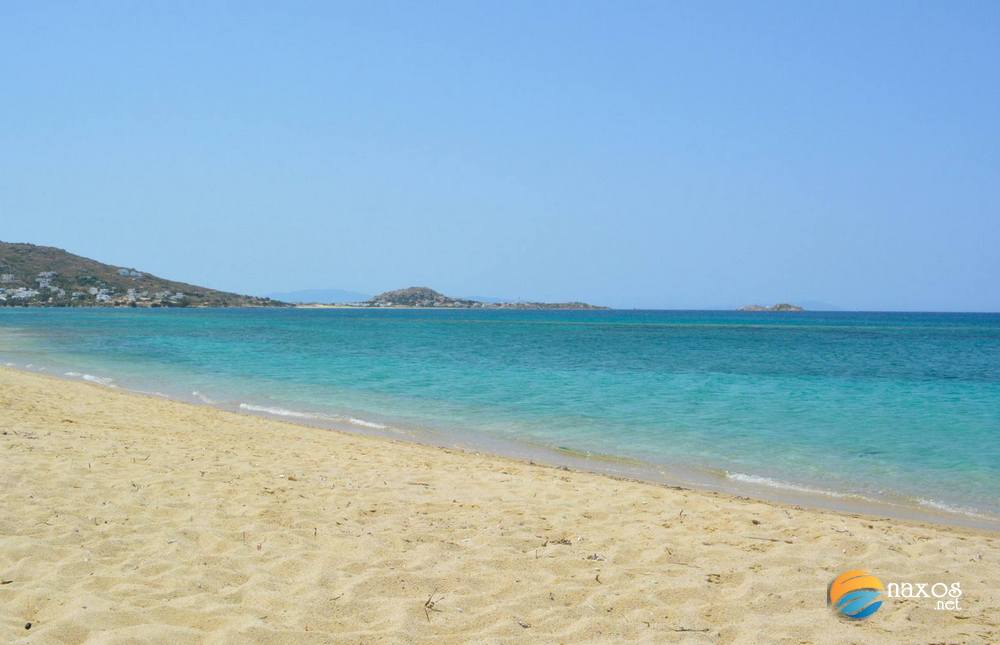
[129,518]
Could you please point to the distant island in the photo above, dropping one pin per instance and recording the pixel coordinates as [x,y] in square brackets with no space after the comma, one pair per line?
[423,297]
[782,306]
[44,276]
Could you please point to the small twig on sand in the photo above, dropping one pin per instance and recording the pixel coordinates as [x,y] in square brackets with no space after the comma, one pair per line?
[689,629]
[766,539]
[429,605]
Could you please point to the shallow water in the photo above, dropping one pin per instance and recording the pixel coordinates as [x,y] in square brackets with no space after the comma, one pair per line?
[887,406]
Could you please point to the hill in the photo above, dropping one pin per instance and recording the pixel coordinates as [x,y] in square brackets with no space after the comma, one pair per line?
[425,297]
[417,297]
[47,276]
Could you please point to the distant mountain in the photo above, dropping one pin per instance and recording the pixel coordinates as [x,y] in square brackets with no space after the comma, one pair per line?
[782,306]
[47,276]
[325,296]
[425,297]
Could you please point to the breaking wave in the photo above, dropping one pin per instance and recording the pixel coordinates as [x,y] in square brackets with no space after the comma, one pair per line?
[100,380]
[280,412]
[295,414]
[366,424]
[775,483]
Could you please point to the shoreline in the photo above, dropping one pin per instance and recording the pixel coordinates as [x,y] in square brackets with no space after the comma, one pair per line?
[126,516]
[708,480]
[716,480]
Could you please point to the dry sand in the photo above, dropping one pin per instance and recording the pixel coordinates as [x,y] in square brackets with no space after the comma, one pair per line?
[127,518]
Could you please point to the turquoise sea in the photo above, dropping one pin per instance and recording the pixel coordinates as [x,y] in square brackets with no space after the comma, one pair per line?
[894,408]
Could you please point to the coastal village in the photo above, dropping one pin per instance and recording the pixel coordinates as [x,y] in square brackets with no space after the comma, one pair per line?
[46,291]
[43,276]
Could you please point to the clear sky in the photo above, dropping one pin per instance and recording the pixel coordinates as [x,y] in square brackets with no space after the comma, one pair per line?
[647,154]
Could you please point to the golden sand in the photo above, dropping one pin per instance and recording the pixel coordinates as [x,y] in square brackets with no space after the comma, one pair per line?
[127,518]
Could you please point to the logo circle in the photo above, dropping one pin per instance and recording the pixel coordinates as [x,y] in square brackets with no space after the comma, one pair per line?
[855,594]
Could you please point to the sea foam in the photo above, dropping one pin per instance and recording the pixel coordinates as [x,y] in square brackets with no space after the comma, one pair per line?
[366,424]
[775,483]
[100,380]
[280,412]
[296,414]
[950,508]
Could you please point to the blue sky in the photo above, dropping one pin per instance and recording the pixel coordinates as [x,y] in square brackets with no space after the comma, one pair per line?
[675,155]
